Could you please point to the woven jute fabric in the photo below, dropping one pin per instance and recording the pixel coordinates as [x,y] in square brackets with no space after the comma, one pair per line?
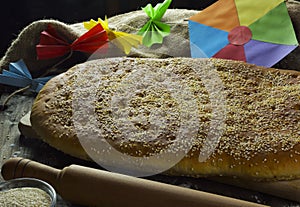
[174,45]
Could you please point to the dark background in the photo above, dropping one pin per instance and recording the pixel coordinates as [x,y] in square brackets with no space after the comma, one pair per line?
[16,14]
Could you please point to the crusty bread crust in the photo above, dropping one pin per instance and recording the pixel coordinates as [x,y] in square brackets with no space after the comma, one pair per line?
[261,131]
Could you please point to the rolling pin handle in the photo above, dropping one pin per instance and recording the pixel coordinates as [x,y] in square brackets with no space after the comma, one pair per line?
[19,168]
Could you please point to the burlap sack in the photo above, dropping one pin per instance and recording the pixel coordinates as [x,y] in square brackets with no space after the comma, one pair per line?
[175,45]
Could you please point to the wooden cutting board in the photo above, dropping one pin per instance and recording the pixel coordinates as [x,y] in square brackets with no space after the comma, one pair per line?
[284,189]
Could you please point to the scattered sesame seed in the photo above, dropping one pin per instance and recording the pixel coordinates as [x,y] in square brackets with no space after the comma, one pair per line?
[261,112]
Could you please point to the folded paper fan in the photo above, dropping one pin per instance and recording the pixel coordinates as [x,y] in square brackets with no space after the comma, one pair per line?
[258,32]
[18,75]
[155,30]
[51,45]
[122,40]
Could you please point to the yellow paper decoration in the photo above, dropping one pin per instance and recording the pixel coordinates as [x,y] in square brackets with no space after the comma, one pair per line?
[122,40]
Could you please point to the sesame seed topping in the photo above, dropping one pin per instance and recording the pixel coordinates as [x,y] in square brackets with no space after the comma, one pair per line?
[262,106]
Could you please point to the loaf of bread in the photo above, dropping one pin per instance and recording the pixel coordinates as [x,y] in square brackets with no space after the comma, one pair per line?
[244,119]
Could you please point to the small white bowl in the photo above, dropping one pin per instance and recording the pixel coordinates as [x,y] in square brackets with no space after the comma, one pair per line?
[31,183]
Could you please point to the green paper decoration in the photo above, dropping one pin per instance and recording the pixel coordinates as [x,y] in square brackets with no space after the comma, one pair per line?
[154,30]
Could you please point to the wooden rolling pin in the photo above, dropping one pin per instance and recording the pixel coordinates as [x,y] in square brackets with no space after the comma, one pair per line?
[92,187]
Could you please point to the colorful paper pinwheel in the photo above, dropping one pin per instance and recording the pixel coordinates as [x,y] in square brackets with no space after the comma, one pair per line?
[51,45]
[124,41]
[154,30]
[19,76]
[254,31]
